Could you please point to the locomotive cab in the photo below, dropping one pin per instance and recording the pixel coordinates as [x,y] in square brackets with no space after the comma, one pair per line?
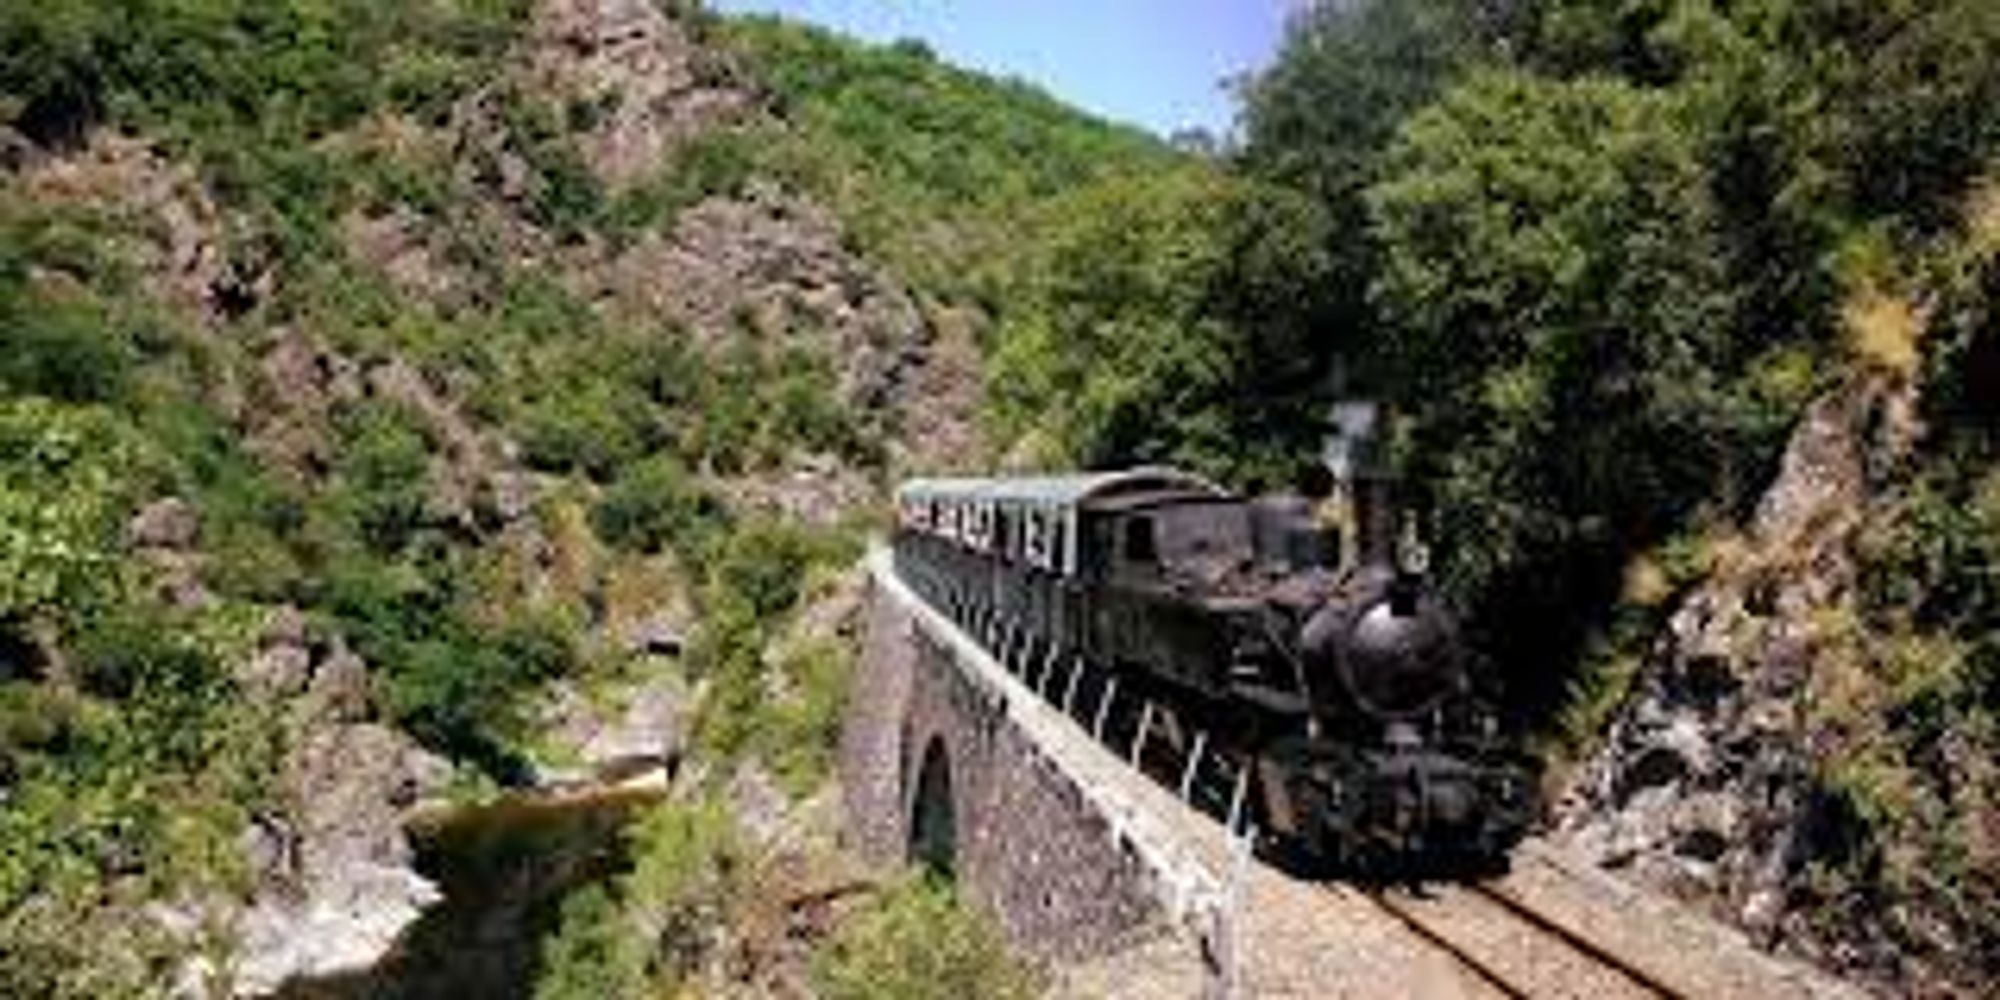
[1171,538]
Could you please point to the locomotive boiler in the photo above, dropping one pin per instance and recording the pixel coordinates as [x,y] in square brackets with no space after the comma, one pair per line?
[1340,688]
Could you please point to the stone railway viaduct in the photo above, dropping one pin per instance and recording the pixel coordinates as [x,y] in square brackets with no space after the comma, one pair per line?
[949,758]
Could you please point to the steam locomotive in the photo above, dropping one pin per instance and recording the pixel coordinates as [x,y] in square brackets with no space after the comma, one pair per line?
[1338,688]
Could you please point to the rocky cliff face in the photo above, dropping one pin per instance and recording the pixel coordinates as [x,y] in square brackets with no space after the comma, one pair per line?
[1714,781]
[654,83]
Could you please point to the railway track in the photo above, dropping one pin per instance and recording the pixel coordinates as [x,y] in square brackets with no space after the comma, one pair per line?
[1509,946]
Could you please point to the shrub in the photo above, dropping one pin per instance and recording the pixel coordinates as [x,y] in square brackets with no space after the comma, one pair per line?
[63,498]
[756,578]
[595,953]
[917,941]
[653,925]
[456,680]
[717,164]
[592,426]
[62,348]
[656,504]
[801,734]
[383,473]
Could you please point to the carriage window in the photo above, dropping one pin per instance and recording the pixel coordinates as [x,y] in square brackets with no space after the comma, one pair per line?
[1140,545]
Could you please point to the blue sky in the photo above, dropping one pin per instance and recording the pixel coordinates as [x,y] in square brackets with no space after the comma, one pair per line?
[1155,63]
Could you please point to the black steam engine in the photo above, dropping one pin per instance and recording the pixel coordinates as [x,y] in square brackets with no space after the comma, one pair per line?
[1339,690]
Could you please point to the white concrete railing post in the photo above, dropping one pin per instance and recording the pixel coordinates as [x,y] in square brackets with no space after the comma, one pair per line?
[1104,710]
[1236,798]
[1231,917]
[1069,692]
[1139,741]
[1193,764]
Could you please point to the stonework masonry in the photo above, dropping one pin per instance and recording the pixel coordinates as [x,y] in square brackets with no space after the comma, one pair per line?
[1070,875]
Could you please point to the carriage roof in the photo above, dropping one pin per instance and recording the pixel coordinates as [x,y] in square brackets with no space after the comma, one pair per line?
[1074,490]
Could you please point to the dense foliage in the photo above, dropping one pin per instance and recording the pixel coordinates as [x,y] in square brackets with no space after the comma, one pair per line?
[930,166]
[1597,258]
[126,762]
[1144,315]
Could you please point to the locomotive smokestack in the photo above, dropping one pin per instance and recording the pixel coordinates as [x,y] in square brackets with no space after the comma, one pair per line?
[1355,454]
[1375,519]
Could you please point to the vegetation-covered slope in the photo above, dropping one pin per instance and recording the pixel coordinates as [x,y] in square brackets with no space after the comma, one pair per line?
[486,343]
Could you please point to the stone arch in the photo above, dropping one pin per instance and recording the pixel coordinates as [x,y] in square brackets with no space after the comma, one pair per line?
[934,814]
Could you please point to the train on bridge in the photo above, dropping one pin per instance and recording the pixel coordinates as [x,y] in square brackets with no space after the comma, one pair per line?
[1363,735]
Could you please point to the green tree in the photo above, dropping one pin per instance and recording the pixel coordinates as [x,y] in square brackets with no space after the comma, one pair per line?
[1557,323]
[1126,344]
[1318,120]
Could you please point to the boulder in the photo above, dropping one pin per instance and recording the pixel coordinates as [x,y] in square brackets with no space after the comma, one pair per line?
[169,523]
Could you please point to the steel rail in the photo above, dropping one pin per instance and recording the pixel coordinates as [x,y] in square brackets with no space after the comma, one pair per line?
[1479,967]
[1596,952]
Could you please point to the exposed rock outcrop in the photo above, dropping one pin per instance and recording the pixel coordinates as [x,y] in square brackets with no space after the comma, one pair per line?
[399,244]
[339,884]
[168,228]
[780,266]
[609,739]
[651,85]
[333,878]
[335,875]
[164,535]
[1705,784]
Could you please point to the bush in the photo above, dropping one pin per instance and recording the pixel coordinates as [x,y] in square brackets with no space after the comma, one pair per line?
[64,482]
[594,427]
[800,736]
[655,924]
[717,164]
[136,787]
[917,941]
[756,579]
[60,348]
[595,953]
[763,566]
[656,504]
[459,682]
[383,474]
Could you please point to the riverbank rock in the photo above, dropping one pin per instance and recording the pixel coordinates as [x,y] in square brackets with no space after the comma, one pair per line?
[337,882]
[614,734]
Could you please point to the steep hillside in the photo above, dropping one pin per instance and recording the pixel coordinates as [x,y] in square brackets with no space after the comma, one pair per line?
[1686,311]
[1808,746]
[412,401]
